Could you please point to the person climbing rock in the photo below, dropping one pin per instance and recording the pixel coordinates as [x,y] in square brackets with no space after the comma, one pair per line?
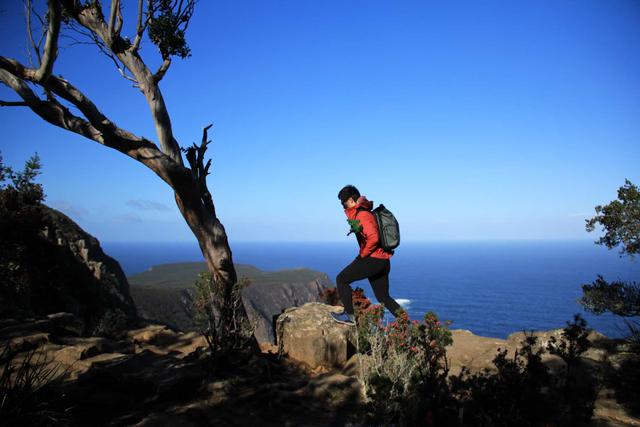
[372,263]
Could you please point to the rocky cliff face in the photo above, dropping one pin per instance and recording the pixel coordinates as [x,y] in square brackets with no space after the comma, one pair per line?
[86,250]
[70,272]
[268,295]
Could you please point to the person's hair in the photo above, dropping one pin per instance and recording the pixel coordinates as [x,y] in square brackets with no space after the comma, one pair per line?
[348,192]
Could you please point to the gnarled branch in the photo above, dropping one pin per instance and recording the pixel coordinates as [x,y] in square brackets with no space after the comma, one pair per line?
[96,127]
[199,171]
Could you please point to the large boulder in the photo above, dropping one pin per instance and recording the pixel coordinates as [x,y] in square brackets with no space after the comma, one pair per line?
[266,298]
[309,334]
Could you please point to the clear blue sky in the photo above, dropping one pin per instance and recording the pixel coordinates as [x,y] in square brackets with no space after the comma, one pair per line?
[474,120]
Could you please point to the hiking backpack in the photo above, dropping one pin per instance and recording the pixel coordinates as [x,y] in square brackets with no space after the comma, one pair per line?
[388,228]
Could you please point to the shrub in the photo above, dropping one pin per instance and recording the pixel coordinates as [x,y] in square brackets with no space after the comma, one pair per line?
[27,397]
[220,314]
[523,392]
[511,396]
[20,225]
[404,368]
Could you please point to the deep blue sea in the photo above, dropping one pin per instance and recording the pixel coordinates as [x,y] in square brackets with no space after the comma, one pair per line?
[490,288]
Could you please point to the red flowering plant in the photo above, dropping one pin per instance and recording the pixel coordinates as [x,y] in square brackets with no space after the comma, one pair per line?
[406,373]
[399,332]
[429,386]
[368,319]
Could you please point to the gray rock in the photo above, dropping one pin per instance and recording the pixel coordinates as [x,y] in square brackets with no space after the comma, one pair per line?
[309,334]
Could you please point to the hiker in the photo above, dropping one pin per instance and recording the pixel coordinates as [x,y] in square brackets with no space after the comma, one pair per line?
[372,262]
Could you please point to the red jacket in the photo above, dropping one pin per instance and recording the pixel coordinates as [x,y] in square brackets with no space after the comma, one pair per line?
[368,238]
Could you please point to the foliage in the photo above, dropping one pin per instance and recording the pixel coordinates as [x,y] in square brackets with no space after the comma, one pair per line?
[368,318]
[20,224]
[431,397]
[620,220]
[619,297]
[404,367]
[405,376]
[220,314]
[38,276]
[574,342]
[168,25]
[513,395]
[578,390]
[26,396]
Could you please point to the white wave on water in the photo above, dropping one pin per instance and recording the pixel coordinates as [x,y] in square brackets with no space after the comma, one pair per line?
[403,302]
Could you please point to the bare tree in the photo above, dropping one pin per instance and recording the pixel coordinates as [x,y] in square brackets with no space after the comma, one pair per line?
[165,23]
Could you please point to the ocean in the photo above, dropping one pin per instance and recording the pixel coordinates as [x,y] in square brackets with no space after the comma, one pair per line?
[490,288]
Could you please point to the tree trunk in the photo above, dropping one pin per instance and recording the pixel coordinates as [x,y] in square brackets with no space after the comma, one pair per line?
[211,236]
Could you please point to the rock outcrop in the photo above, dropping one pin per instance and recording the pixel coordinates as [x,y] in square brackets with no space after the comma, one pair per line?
[308,334]
[86,250]
[155,376]
[64,269]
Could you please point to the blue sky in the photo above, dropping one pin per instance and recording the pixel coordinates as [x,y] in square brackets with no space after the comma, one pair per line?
[470,121]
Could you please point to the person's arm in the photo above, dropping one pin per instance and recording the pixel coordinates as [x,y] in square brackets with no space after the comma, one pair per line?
[369,232]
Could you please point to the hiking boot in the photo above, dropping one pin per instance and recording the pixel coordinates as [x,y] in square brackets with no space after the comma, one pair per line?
[344,318]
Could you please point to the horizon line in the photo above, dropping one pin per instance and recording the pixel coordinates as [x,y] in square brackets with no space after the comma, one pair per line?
[531,239]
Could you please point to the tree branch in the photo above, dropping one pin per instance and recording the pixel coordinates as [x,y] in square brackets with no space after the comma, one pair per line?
[36,48]
[115,21]
[91,17]
[140,28]
[162,70]
[105,133]
[13,104]
[199,171]
[50,110]
[51,44]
